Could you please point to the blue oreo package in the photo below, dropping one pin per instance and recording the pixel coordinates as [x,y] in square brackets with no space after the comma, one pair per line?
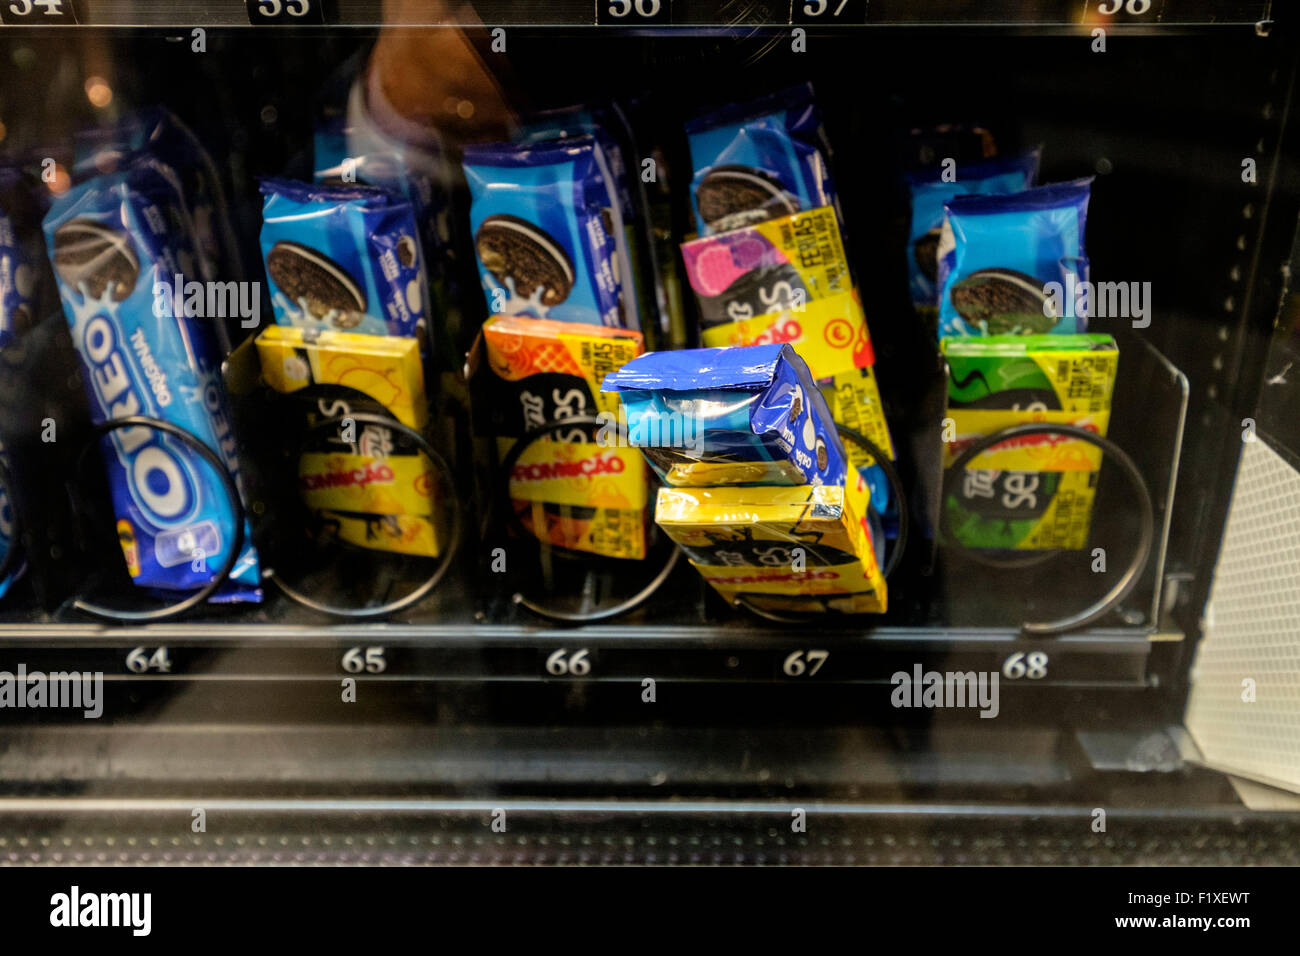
[547,229]
[569,121]
[20,268]
[630,242]
[997,254]
[343,258]
[930,192]
[157,132]
[13,563]
[730,416]
[343,156]
[117,243]
[759,160]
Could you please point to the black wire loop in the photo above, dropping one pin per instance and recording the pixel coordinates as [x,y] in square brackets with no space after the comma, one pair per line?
[1146,533]
[170,611]
[454,538]
[517,526]
[895,550]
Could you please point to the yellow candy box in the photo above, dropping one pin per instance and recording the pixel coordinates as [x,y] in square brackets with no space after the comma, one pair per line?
[375,491]
[801,549]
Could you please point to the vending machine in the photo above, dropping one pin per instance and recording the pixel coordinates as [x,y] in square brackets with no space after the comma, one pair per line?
[649,431]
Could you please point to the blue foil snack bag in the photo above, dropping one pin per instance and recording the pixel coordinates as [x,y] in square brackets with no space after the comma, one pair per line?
[117,243]
[929,193]
[997,253]
[730,416]
[547,227]
[343,258]
[759,160]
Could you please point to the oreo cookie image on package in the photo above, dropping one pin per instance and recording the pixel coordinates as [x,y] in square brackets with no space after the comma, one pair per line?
[110,241]
[727,416]
[759,160]
[548,232]
[343,259]
[157,132]
[347,155]
[997,253]
[929,191]
[609,127]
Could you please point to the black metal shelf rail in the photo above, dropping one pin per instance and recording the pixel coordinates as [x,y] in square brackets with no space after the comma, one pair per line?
[655,14]
[609,653]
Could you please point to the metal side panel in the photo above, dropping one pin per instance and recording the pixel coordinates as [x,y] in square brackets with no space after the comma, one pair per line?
[1244,707]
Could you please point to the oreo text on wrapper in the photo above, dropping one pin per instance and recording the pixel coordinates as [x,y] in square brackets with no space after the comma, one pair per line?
[756,416]
[343,259]
[110,240]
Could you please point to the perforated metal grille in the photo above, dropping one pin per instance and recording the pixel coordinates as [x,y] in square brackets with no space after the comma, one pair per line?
[1252,630]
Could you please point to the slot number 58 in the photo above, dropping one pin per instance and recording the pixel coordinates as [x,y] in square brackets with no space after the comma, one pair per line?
[1134,8]
[1022,665]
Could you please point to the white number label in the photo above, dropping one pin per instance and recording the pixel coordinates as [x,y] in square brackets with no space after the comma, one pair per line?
[1032,665]
[367,659]
[273,8]
[560,664]
[1132,7]
[815,8]
[799,663]
[22,8]
[140,661]
[643,8]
